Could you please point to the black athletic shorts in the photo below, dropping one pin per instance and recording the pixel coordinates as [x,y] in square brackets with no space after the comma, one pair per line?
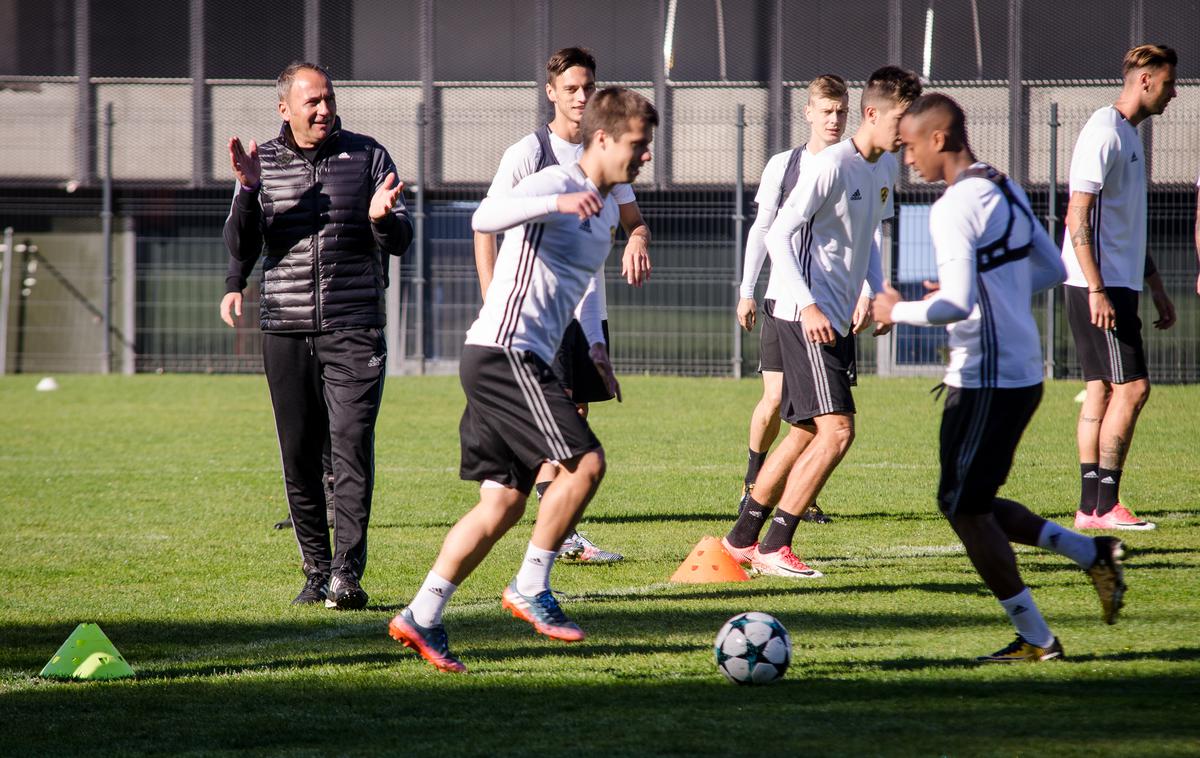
[1114,355]
[816,378]
[517,416]
[769,358]
[980,432]
[574,368]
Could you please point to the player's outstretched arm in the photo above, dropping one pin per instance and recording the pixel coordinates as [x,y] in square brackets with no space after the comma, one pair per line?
[499,213]
[635,261]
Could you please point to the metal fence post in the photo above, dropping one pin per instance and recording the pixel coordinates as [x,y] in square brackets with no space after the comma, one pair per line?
[85,172]
[106,217]
[885,353]
[1052,230]
[129,299]
[780,137]
[662,96]
[27,250]
[739,218]
[1018,158]
[419,233]
[5,295]
[201,125]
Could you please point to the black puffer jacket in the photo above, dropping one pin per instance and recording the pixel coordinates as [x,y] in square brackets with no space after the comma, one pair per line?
[323,269]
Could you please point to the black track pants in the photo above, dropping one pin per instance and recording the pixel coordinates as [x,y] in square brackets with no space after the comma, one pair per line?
[327,387]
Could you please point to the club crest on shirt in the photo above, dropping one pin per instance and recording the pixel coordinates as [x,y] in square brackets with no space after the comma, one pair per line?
[883,193]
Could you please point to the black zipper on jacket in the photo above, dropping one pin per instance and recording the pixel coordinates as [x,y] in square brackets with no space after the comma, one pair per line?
[290,143]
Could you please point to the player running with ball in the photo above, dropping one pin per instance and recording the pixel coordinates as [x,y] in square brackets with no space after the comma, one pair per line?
[992,255]
[561,224]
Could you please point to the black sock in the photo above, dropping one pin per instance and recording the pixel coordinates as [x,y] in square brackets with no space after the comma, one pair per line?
[754,464]
[1108,490]
[541,488]
[745,530]
[1088,481]
[783,527]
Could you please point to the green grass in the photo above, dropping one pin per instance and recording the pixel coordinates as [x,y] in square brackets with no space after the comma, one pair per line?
[145,504]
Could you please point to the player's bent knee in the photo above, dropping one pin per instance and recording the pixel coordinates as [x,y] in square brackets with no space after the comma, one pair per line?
[840,433]
[591,465]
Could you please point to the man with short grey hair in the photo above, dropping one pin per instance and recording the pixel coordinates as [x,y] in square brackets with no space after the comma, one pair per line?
[321,204]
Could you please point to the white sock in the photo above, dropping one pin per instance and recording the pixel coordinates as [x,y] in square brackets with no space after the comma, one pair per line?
[1073,545]
[1026,617]
[431,600]
[534,576]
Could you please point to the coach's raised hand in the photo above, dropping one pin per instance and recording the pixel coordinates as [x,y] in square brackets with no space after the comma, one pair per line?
[582,204]
[385,197]
[246,166]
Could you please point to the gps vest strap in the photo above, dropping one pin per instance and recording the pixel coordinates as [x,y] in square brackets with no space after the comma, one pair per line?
[791,175]
[546,153]
[998,253]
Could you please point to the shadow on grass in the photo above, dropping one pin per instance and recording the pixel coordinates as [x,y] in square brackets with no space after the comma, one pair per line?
[762,592]
[934,707]
[488,632]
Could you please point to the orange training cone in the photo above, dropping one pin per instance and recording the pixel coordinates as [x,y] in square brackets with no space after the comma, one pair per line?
[709,562]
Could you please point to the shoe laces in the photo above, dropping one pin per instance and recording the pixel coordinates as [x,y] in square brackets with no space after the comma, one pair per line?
[787,556]
[1124,510]
[438,640]
[1014,646]
[549,607]
[315,582]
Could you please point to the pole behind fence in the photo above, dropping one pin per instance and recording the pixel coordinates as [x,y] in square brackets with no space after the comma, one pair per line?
[5,294]
[129,298]
[739,218]
[1052,230]
[106,218]
[419,233]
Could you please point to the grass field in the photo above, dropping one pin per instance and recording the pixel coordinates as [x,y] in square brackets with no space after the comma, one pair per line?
[145,504]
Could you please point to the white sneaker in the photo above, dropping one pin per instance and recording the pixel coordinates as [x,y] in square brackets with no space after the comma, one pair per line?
[782,562]
[743,555]
[576,547]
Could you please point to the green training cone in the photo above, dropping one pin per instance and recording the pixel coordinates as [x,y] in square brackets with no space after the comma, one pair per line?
[87,654]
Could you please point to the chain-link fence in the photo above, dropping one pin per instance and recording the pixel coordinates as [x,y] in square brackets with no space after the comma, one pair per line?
[447,85]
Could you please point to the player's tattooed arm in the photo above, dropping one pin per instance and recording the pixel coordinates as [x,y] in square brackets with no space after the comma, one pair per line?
[1083,234]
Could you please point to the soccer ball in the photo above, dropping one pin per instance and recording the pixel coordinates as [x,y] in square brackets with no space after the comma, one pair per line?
[753,648]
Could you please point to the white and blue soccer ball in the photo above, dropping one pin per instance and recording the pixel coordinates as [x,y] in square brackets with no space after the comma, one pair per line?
[753,648]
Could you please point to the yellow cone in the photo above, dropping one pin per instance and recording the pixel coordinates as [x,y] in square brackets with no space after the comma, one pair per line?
[87,654]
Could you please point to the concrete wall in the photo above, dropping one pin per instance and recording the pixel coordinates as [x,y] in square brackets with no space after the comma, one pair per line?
[152,133]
